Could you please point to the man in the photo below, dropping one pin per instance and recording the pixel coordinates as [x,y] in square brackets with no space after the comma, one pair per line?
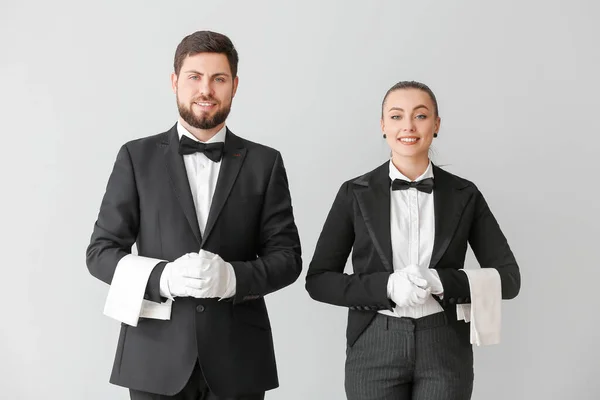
[211,216]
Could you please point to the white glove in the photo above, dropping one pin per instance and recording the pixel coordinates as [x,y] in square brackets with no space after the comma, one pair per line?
[430,275]
[200,275]
[182,277]
[407,290]
[217,276]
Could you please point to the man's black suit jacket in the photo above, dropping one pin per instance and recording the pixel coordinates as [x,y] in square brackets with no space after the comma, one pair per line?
[148,202]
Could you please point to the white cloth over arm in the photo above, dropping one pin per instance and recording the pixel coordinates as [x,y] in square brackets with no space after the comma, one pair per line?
[484,312]
[125,301]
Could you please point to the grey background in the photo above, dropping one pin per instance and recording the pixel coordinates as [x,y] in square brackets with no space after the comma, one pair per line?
[517,83]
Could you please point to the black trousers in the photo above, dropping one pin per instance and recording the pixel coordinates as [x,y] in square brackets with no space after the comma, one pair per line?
[411,359]
[195,389]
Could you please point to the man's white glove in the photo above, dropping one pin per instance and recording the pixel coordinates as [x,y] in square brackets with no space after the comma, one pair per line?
[181,278]
[407,290]
[217,276]
[200,275]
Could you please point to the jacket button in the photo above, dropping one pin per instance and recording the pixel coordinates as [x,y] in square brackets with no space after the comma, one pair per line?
[452,300]
[460,300]
[200,308]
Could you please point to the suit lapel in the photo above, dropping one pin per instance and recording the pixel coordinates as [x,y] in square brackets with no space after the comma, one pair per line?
[179,180]
[233,158]
[449,202]
[373,194]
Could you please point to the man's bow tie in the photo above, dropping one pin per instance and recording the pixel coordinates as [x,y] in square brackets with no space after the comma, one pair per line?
[214,151]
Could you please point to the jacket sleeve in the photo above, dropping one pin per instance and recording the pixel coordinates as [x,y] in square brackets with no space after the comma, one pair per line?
[117,226]
[326,281]
[491,250]
[279,261]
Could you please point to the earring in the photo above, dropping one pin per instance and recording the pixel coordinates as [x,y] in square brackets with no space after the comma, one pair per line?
[435,134]
[384,135]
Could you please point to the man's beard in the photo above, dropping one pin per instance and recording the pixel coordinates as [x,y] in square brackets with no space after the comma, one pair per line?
[204,122]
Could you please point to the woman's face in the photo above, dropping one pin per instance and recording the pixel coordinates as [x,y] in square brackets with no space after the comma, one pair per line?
[409,122]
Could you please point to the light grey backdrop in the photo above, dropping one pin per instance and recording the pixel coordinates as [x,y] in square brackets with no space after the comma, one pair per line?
[517,83]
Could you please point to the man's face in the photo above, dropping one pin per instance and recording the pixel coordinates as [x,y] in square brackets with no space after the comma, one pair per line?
[204,90]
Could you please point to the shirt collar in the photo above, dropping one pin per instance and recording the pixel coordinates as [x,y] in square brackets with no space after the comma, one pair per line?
[395,174]
[218,137]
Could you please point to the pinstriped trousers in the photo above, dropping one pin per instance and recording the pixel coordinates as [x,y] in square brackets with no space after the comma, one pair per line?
[410,359]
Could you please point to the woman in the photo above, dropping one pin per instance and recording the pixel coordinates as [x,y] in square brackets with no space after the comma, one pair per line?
[407,223]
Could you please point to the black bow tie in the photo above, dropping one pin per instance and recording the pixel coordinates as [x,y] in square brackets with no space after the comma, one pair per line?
[425,185]
[214,151]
